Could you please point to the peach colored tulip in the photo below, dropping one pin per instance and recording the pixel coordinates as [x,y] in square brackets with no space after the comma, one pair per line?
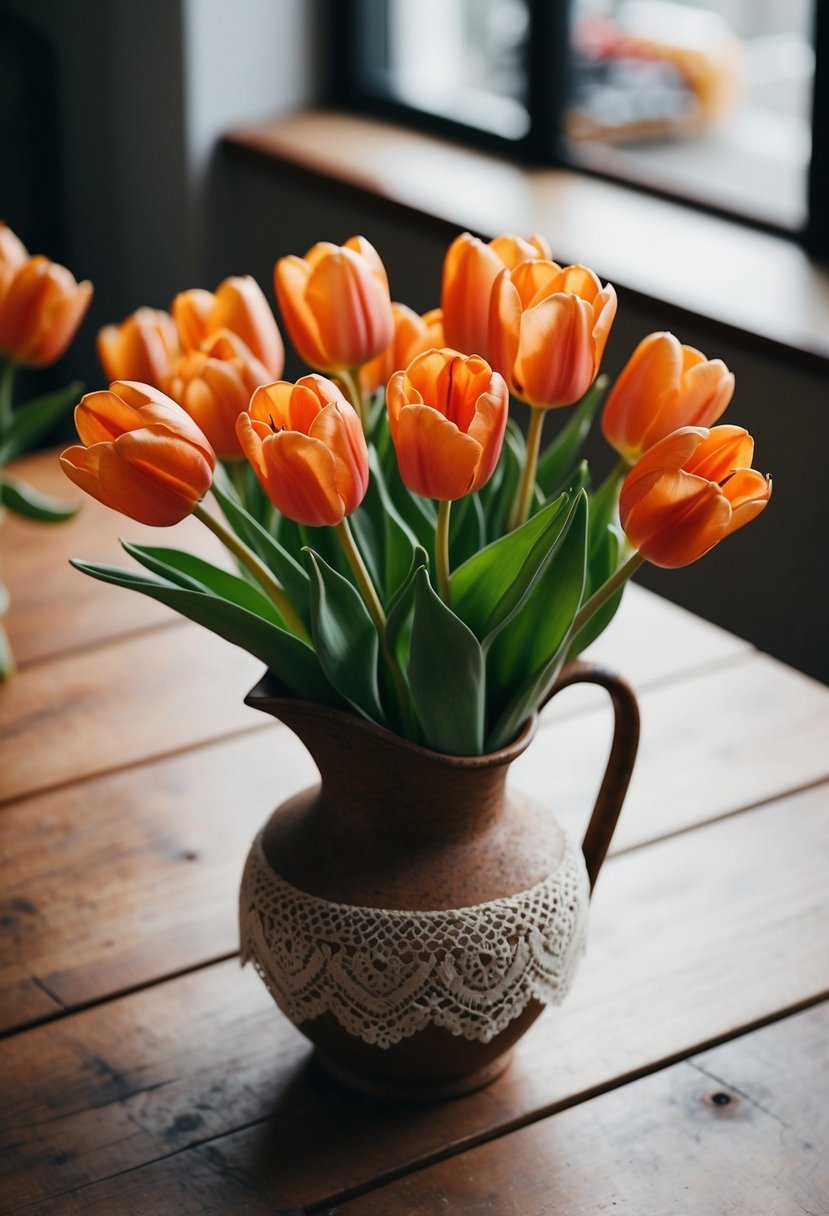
[145,457]
[548,327]
[141,348]
[307,448]
[41,305]
[689,491]
[470,269]
[214,385]
[447,414]
[664,386]
[335,304]
[412,336]
[238,305]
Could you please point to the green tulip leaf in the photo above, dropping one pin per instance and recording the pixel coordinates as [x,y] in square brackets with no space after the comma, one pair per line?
[402,603]
[195,573]
[275,556]
[292,661]
[557,461]
[29,503]
[446,675]
[36,418]
[499,494]
[491,586]
[345,638]
[467,529]
[526,655]
[602,563]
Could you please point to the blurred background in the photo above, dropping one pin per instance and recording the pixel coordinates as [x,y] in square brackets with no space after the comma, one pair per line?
[114,118]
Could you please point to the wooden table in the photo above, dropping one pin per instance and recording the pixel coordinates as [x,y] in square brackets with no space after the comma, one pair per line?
[142,1072]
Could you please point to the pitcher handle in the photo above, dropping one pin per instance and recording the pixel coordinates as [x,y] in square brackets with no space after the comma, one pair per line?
[620,762]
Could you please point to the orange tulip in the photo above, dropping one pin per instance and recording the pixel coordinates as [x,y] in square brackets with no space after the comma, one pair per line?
[663,387]
[238,305]
[41,305]
[141,348]
[447,415]
[470,269]
[689,491]
[335,303]
[548,327]
[412,336]
[145,456]
[307,448]
[214,385]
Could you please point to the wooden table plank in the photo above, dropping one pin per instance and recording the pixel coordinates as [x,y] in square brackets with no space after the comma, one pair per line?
[160,846]
[742,1130]
[120,704]
[57,610]
[687,948]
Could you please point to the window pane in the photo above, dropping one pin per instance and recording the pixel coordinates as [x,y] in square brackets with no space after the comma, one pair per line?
[711,101]
[461,59]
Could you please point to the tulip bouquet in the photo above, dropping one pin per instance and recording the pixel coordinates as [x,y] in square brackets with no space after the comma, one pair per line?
[403,551]
[41,307]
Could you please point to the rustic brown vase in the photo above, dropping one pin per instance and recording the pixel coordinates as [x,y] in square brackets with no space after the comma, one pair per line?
[420,859]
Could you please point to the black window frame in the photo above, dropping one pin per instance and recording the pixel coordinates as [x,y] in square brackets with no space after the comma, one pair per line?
[354,28]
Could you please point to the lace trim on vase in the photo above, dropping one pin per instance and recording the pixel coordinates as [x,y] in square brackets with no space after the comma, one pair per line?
[385,974]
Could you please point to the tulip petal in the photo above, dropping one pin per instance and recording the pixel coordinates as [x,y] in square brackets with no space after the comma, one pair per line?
[301,479]
[536,280]
[190,311]
[272,402]
[291,278]
[169,460]
[352,309]
[678,520]
[705,391]
[635,407]
[724,449]
[103,416]
[504,326]
[240,306]
[748,492]
[554,365]
[487,428]
[339,428]
[435,459]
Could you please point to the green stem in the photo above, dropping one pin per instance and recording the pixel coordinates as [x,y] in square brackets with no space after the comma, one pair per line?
[375,608]
[350,380]
[257,568]
[7,370]
[361,574]
[442,550]
[525,490]
[605,592]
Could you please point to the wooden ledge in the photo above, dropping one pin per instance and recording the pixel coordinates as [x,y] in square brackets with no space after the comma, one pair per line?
[758,286]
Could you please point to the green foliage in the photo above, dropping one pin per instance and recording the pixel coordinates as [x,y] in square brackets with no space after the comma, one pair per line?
[29,503]
[30,422]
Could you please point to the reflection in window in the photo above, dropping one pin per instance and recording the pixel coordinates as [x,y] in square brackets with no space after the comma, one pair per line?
[709,100]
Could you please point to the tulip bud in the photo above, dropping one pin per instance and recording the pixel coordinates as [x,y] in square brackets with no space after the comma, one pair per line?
[141,348]
[335,304]
[470,269]
[41,305]
[145,457]
[447,416]
[664,386]
[238,305]
[307,448]
[689,491]
[214,385]
[547,330]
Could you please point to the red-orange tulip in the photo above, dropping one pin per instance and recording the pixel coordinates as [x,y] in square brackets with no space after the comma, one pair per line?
[548,327]
[470,269]
[335,304]
[41,305]
[141,348]
[307,448]
[689,491]
[447,414]
[238,305]
[145,456]
[214,385]
[412,336]
[664,386]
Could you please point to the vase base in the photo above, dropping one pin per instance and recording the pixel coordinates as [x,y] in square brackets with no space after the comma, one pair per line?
[412,1089]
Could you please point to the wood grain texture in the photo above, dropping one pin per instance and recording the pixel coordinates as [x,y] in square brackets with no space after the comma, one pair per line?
[687,948]
[111,883]
[742,1130]
[55,609]
[120,704]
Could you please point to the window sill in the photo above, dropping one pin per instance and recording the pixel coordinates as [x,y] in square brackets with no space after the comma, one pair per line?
[757,285]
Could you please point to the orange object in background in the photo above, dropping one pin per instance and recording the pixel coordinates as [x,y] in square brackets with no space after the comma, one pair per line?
[41,304]
[142,347]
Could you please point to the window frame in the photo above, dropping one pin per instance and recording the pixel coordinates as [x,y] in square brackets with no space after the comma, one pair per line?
[356,26]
